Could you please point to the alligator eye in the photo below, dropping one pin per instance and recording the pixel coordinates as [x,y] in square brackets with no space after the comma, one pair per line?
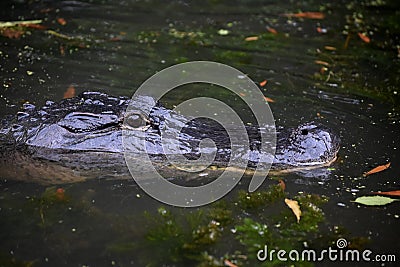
[304,131]
[136,120]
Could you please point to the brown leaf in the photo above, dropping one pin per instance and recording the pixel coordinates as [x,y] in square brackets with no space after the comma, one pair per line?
[306,15]
[322,70]
[330,48]
[61,21]
[115,39]
[62,50]
[395,193]
[270,100]
[60,194]
[70,92]
[320,62]
[294,206]
[251,38]
[12,33]
[377,169]
[282,184]
[229,263]
[34,26]
[272,30]
[364,37]
[263,83]
[46,10]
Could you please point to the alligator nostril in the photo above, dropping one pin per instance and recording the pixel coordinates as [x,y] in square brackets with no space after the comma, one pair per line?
[304,132]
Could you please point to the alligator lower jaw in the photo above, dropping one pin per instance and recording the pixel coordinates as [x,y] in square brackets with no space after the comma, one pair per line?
[292,169]
[303,168]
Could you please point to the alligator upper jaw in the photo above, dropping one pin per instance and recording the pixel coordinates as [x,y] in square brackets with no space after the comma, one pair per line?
[303,167]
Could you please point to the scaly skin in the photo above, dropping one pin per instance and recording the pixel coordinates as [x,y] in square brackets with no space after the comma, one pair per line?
[81,137]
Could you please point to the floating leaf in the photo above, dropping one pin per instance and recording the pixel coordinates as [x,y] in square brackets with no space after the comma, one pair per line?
[320,62]
[62,50]
[46,10]
[263,83]
[18,23]
[251,38]
[270,100]
[70,92]
[395,193]
[34,26]
[364,37]
[330,48]
[377,169]
[272,30]
[12,33]
[374,200]
[229,263]
[60,194]
[115,39]
[60,35]
[282,184]
[294,206]
[322,70]
[306,15]
[15,29]
[61,21]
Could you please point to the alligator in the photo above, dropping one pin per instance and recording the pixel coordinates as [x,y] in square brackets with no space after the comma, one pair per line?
[81,137]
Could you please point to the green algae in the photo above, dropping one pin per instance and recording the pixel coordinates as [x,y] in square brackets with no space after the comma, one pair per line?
[260,199]
[199,237]
[233,229]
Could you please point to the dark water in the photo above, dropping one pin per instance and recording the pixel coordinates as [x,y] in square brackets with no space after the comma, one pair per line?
[113,46]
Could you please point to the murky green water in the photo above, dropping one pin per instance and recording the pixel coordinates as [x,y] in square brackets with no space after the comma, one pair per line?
[113,46]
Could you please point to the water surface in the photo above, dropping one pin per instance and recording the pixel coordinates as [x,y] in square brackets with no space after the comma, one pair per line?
[113,46]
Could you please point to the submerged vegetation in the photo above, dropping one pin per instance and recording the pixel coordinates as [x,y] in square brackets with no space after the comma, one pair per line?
[225,231]
[210,236]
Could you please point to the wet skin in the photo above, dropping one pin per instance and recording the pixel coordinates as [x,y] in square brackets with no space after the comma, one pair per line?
[85,132]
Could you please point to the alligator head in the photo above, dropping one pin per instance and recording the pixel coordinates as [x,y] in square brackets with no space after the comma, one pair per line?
[94,122]
[306,146]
